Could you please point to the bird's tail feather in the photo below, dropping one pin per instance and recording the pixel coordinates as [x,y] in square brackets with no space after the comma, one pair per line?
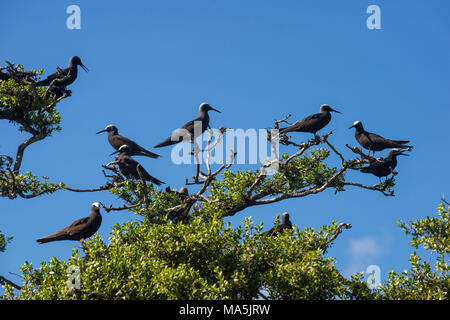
[155,181]
[53,237]
[149,154]
[165,143]
[401,142]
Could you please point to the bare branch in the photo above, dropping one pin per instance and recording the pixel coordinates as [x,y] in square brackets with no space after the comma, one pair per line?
[376,187]
[106,186]
[124,207]
[5,281]
[325,139]
[338,232]
[23,146]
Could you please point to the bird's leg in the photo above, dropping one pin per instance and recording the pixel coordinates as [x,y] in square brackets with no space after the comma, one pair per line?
[316,137]
[66,93]
[196,150]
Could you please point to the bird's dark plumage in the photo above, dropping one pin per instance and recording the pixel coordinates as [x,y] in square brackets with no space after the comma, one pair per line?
[64,77]
[128,166]
[312,123]
[191,130]
[374,142]
[79,230]
[116,141]
[384,167]
[183,193]
[285,224]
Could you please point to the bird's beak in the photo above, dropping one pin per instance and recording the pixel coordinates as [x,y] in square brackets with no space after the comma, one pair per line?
[331,109]
[104,130]
[84,67]
[114,152]
[215,110]
[352,126]
[403,154]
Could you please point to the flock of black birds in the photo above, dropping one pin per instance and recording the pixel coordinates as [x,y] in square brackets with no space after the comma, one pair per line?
[131,169]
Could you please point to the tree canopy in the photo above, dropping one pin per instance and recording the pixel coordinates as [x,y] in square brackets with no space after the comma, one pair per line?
[183,249]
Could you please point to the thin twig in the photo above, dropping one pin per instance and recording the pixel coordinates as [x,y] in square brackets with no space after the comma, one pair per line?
[338,232]
[375,188]
[5,281]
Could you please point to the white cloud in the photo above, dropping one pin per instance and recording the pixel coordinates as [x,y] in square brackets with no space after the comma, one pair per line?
[363,252]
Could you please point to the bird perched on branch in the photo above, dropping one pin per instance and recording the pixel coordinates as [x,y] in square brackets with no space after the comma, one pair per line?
[129,167]
[374,142]
[285,224]
[191,130]
[63,77]
[386,166]
[116,141]
[78,230]
[312,123]
[183,193]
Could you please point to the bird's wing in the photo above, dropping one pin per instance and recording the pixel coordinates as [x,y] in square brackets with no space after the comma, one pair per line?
[313,116]
[373,137]
[299,125]
[77,226]
[373,165]
[50,78]
[377,165]
[179,135]
[149,177]
[190,125]
[121,140]
[130,161]
[138,149]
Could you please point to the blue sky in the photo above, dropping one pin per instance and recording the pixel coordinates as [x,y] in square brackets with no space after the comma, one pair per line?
[256,61]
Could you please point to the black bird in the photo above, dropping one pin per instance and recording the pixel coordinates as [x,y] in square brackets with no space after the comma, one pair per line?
[128,166]
[64,77]
[117,141]
[183,192]
[374,142]
[191,130]
[285,224]
[386,166]
[312,123]
[80,229]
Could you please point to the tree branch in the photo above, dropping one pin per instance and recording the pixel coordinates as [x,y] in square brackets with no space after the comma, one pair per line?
[338,232]
[23,146]
[5,281]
